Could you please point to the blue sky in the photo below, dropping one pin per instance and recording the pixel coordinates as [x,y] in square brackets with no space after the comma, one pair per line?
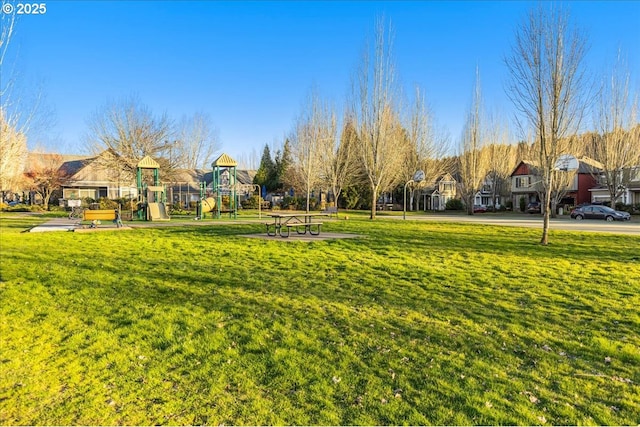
[249,65]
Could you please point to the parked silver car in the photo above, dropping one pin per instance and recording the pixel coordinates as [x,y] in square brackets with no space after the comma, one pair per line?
[599,212]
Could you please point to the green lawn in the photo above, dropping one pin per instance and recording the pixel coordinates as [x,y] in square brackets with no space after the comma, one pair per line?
[416,323]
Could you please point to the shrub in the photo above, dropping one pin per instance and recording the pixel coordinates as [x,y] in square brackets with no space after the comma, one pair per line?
[176,209]
[250,203]
[126,203]
[288,201]
[454,205]
[22,208]
[107,203]
[523,204]
[624,207]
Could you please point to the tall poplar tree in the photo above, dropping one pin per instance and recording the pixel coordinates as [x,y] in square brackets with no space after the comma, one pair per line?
[547,87]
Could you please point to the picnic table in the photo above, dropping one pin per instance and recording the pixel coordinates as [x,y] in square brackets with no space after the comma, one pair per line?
[302,222]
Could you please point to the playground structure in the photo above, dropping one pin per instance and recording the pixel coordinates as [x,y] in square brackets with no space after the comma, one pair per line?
[206,204]
[224,198]
[151,198]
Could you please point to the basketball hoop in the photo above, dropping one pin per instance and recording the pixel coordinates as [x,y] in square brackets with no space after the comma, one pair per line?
[566,163]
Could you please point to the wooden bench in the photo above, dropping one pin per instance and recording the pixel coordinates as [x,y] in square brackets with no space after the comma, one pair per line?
[96,216]
[99,214]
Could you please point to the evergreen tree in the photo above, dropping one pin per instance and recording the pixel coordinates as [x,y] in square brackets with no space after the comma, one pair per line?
[283,163]
[267,170]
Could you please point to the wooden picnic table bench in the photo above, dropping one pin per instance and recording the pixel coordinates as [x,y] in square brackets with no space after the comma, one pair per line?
[303,223]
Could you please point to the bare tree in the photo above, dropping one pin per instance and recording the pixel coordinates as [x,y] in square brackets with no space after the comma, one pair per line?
[129,129]
[7,31]
[376,118]
[502,158]
[196,142]
[547,88]
[23,107]
[250,161]
[339,168]
[427,147]
[617,146]
[44,175]
[473,159]
[314,136]
[13,153]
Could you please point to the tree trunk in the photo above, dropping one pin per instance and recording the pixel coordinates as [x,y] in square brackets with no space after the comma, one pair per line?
[374,198]
[546,215]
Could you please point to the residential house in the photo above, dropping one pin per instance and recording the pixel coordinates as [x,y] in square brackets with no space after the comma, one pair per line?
[436,195]
[630,193]
[40,164]
[525,183]
[485,196]
[87,177]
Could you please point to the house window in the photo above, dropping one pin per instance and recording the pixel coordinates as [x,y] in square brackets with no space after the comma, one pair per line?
[89,192]
[523,181]
[128,192]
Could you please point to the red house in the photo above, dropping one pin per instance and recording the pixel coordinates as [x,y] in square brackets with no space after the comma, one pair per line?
[525,182]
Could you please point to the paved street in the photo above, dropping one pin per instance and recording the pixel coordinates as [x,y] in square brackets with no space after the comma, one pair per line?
[535,221]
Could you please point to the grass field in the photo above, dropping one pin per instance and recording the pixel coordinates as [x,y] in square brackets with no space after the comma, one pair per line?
[415,323]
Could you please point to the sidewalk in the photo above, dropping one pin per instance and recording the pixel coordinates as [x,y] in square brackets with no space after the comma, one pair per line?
[65,224]
[56,224]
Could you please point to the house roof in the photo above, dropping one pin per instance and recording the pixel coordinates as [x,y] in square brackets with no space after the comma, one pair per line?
[589,165]
[72,167]
[35,159]
[528,163]
[586,165]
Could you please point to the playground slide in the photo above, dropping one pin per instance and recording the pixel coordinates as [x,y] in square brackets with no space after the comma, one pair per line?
[158,212]
[208,205]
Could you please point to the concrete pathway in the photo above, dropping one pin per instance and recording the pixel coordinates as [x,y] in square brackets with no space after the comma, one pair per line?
[65,224]
[56,224]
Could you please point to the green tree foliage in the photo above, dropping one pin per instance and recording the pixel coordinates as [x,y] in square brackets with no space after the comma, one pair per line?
[267,171]
[284,160]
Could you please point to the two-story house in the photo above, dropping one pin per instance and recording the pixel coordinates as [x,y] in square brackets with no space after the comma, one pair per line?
[525,183]
[629,194]
[493,194]
[436,195]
